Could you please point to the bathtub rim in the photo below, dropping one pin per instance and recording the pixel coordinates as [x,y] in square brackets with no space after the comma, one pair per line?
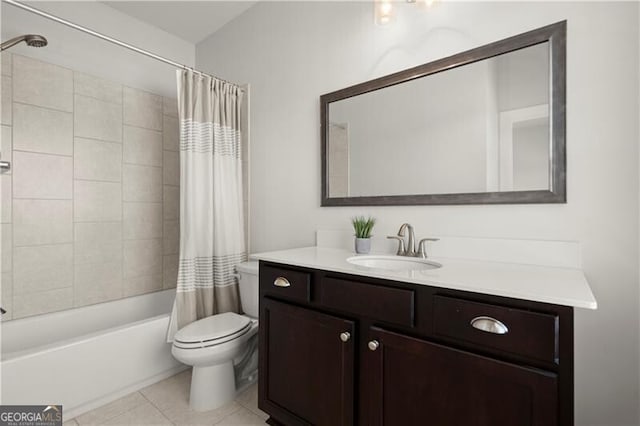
[135,302]
[63,344]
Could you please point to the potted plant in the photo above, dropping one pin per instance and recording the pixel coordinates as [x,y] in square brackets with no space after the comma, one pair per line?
[363,227]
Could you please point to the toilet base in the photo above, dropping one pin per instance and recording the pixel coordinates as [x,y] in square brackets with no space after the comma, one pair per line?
[212,386]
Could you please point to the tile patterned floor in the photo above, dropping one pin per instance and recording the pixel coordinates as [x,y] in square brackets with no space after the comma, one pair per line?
[167,403]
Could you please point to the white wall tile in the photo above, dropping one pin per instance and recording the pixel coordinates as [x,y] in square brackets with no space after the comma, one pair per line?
[97,282]
[142,109]
[6,94]
[6,144]
[170,271]
[42,130]
[170,133]
[97,160]
[97,201]
[142,257]
[142,221]
[7,63]
[141,183]
[97,242]
[142,146]
[42,176]
[170,107]
[171,236]
[141,285]
[43,84]
[42,268]
[171,202]
[7,247]
[6,294]
[110,162]
[6,198]
[97,119]
[99,88]
[42,222]
[39,303]
[171,168]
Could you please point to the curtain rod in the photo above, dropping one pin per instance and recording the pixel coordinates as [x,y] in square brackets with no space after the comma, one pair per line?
[111,39]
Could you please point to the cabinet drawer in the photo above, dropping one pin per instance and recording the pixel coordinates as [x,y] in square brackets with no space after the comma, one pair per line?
[285,283]
[525,333]
[388,304]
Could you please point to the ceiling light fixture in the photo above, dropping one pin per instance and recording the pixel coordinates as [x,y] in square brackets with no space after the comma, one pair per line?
[384,10]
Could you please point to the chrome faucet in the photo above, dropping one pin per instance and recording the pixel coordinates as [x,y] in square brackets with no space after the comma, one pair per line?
[411,242]
[410,248]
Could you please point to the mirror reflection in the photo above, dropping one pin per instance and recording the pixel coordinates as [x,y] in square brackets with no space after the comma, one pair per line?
[481,127]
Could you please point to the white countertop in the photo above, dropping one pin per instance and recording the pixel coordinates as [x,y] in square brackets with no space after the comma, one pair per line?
[560,286]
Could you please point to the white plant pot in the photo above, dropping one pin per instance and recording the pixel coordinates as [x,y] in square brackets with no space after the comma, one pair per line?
[363,245]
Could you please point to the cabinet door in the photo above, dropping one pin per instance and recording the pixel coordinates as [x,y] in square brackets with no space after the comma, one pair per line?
[414,382]
[306,366]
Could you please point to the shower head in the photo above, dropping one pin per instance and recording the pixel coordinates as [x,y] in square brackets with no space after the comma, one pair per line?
[33,40]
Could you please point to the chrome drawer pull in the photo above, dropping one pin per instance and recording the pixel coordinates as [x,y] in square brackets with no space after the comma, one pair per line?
[282,282]
[345,336]
[489,325]
[373,345]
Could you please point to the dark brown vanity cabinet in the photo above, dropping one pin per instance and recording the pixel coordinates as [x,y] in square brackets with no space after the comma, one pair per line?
[348,350]
[307,369]
[416,382]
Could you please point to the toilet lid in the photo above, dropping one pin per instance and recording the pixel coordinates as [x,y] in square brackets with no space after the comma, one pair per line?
[211,328]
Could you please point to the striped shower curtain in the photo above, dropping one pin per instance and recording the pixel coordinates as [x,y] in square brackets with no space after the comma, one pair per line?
[211,205]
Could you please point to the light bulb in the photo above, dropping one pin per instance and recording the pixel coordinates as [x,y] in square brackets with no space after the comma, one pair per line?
[383,12]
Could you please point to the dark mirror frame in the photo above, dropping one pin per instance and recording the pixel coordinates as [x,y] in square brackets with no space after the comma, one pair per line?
[555,34]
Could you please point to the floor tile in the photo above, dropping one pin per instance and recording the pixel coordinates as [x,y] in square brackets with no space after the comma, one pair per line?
[249,399]
[112,410]
[167,402]
[171,396]
[145,414]
[242,417]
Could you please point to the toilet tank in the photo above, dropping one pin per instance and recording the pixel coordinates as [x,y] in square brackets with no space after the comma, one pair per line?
[248,285]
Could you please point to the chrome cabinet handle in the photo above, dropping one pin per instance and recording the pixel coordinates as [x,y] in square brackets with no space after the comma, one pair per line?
[373,345]
[345,336]
[281,282]
[489,325]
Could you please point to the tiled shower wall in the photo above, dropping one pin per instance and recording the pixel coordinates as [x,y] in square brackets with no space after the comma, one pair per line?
[90,209]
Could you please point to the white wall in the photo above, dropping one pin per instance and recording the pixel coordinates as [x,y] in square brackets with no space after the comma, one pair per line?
[79,51]
[293,52]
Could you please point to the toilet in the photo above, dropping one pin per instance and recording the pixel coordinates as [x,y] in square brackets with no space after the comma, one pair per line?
[213,345]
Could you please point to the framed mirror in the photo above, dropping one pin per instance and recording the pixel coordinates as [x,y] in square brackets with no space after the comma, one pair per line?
[486,126]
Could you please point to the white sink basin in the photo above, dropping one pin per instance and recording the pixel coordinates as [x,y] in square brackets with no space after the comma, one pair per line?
[394,263]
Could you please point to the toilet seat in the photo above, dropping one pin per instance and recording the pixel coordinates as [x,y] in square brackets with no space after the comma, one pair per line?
[212,331]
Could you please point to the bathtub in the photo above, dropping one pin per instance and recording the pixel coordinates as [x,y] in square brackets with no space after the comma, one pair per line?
[86,357]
